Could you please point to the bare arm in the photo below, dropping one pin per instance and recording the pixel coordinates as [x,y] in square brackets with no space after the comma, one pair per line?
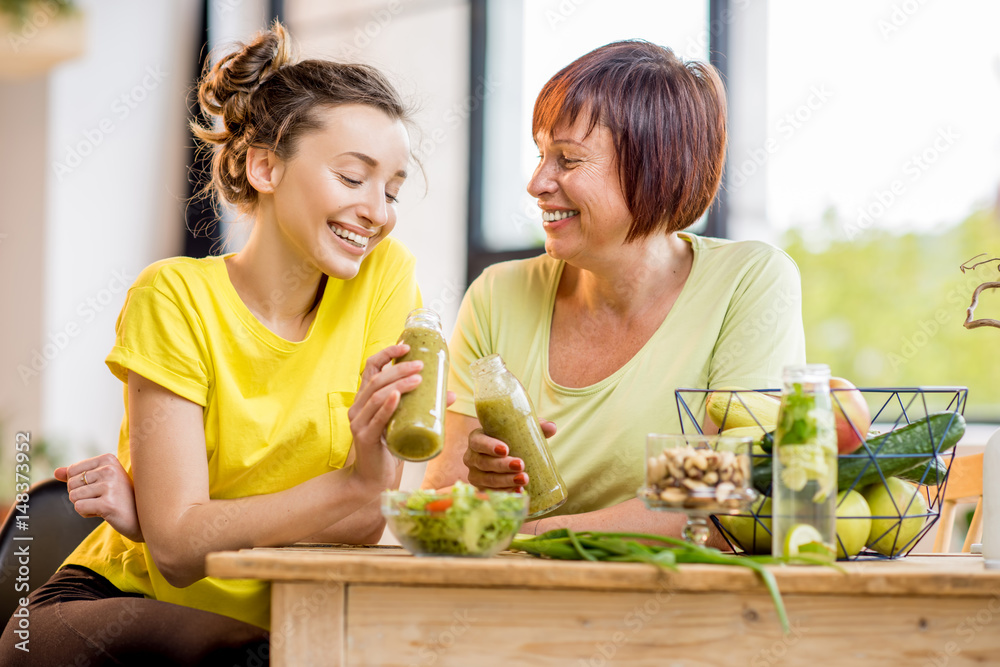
[108,493]
[182,524]
[631,516]
[365,526]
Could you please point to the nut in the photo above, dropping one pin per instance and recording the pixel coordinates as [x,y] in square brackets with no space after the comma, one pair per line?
[723,491]
[693,478]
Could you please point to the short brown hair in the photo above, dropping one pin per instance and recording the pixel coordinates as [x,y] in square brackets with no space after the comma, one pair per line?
[667,119]
[264,98]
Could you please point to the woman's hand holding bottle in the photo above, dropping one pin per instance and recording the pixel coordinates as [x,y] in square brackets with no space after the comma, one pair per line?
[492,467]
[382,384]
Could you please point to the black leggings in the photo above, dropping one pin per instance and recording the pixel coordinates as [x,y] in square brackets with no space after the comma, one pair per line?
[79,618]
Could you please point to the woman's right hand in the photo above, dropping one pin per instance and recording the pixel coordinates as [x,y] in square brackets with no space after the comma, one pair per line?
[382,384]
[100,486]
[490,464]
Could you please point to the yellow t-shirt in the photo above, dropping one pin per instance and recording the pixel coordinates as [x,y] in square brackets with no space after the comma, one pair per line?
[737,322]
[275,411]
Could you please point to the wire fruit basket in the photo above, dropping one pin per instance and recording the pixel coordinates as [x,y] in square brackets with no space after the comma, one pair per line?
[890,488]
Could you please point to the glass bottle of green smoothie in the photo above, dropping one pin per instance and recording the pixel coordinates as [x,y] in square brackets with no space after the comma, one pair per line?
[416,429]
[506,413]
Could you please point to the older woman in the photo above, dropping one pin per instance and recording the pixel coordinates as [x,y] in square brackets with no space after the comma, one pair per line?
[624,307]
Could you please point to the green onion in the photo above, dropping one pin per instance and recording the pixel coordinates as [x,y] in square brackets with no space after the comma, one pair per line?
[565,544]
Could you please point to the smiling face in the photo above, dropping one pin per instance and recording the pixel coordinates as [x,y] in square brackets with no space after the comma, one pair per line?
[578,188]
[335,198]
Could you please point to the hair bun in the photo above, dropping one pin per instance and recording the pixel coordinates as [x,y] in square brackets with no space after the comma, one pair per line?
[228,85]
[266,98]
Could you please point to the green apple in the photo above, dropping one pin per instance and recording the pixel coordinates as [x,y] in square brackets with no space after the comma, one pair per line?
[852,533]
[742,528]
[894,500]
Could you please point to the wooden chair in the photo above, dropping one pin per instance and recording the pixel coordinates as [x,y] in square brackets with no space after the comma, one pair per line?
[965,485]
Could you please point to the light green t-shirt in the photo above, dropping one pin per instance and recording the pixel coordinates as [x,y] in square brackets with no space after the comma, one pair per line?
[736,323]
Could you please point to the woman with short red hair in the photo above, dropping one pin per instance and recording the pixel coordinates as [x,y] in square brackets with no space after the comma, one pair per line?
[624,307]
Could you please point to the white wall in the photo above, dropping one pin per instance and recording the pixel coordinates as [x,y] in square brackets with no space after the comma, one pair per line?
[110,134]
[22,245]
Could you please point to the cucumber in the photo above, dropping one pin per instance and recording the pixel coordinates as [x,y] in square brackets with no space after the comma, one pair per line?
[767,442]
[934,477]
[904,452]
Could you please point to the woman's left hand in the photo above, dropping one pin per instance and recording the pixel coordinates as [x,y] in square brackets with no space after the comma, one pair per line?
[101,487]
[492,467]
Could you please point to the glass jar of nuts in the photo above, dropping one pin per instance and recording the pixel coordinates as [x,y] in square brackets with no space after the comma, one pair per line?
[698,475]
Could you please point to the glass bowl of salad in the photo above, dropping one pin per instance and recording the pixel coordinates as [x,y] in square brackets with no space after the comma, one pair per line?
[458,521]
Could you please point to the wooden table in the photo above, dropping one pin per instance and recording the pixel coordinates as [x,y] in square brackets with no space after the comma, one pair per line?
[381,606]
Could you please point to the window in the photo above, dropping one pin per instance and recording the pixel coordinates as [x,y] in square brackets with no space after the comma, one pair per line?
[882,164]
[520,45]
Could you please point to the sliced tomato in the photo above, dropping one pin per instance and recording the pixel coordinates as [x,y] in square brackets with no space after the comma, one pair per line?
[438,505]
[482,496]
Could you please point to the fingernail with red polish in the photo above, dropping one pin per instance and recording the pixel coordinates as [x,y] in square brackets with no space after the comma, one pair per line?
[520,479]
[500,450]
[516,466]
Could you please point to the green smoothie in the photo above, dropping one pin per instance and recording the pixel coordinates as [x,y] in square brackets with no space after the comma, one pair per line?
[416,429]
[512,420]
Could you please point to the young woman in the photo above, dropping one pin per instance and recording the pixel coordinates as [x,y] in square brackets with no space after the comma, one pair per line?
[257,385]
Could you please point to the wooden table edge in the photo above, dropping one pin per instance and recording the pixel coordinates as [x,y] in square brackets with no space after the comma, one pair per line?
[958,576]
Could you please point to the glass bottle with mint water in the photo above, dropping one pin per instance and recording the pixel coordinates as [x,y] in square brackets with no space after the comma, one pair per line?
[804,488]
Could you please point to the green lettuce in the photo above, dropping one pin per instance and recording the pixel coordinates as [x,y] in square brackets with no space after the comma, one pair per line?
[476,524]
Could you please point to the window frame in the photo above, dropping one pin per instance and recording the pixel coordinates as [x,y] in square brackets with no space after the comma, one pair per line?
[479,256]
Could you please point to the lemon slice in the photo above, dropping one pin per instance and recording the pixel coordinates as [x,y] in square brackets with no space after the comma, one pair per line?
[804,539]
[794,478]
